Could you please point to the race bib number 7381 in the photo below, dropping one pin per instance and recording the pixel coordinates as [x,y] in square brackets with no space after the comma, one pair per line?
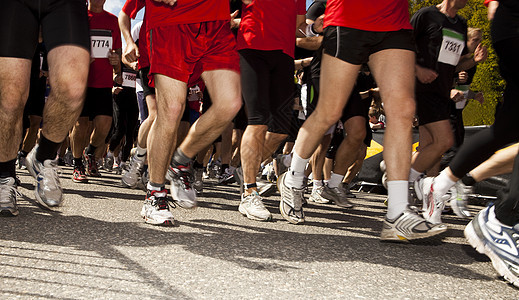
[451,48]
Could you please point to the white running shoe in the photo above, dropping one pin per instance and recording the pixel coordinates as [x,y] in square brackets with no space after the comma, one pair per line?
[252,207]
[433,204]
[291,204]
[497,241]
[182,190]
[316,197]
[155,210]
[459,199]
[409,226]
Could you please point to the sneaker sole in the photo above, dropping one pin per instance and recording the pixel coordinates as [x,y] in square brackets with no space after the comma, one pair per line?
[394,237]
[43,204]
[249,216]
[497,262]
[163,223]
[80,181]
[8,213]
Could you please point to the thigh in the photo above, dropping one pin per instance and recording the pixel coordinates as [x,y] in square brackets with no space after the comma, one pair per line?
[393,70]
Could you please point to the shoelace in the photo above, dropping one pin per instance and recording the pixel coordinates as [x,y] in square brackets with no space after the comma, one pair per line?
[6,191]
[161,202]
[51,174]
[257,202]
[184,174]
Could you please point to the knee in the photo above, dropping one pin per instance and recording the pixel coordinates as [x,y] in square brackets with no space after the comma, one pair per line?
[69,95]
[403,113]
[228,110]
[445,143]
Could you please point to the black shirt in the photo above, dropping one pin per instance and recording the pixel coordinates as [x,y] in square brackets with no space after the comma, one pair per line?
[431,29]
[506,21]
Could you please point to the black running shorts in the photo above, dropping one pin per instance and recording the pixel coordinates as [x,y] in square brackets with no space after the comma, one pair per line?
[63,22]
[431,107]
[267,79]
[146,88]
[98,102]
[355,46]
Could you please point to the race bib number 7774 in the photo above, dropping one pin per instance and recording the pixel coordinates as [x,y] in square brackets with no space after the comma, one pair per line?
[100,43]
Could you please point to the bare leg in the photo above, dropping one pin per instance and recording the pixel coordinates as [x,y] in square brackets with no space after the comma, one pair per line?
[438,139]
[32,133]
[347,152]
[14,90]
[500,163]
[68,71]
[224,87]
[144,129]
[170,95]
[251,151]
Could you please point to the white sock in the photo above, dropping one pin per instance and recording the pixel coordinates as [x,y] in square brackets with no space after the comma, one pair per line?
[109,154]
[443,183]
[335,180]
[140,151]
[316,184]
[326,181]
[397,194]
[413,175]
[296,172]
[287,160]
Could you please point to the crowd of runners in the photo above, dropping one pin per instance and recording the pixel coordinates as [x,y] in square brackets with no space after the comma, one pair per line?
[246,90]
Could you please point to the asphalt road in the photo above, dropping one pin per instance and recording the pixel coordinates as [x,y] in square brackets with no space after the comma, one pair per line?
[97,247]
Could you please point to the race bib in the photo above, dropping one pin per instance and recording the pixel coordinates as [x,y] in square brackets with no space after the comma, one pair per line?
[129,79]
[451,48]
[100,42]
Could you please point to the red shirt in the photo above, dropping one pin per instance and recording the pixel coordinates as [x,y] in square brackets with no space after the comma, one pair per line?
[101,72]
[270,25]
[131,8]
[369,15]
[186,12]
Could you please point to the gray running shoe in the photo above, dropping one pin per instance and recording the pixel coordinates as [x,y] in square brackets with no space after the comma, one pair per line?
[21,161]
[238,176]
[497,241]
[131,177]
[198,185]
[409,226]
[48,188]
[182,190]
[227,177]
[459,199]
[252,207]
[155,210]
[316,196]
[337,195]
[266,189]
[108,163]
[8,194]
[291,204]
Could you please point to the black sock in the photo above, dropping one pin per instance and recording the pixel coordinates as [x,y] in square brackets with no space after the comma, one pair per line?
[78,162]
[197,165]
[90,150]
[46,149]
[468,180]
[225,167]
[23,153]
[8,169]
